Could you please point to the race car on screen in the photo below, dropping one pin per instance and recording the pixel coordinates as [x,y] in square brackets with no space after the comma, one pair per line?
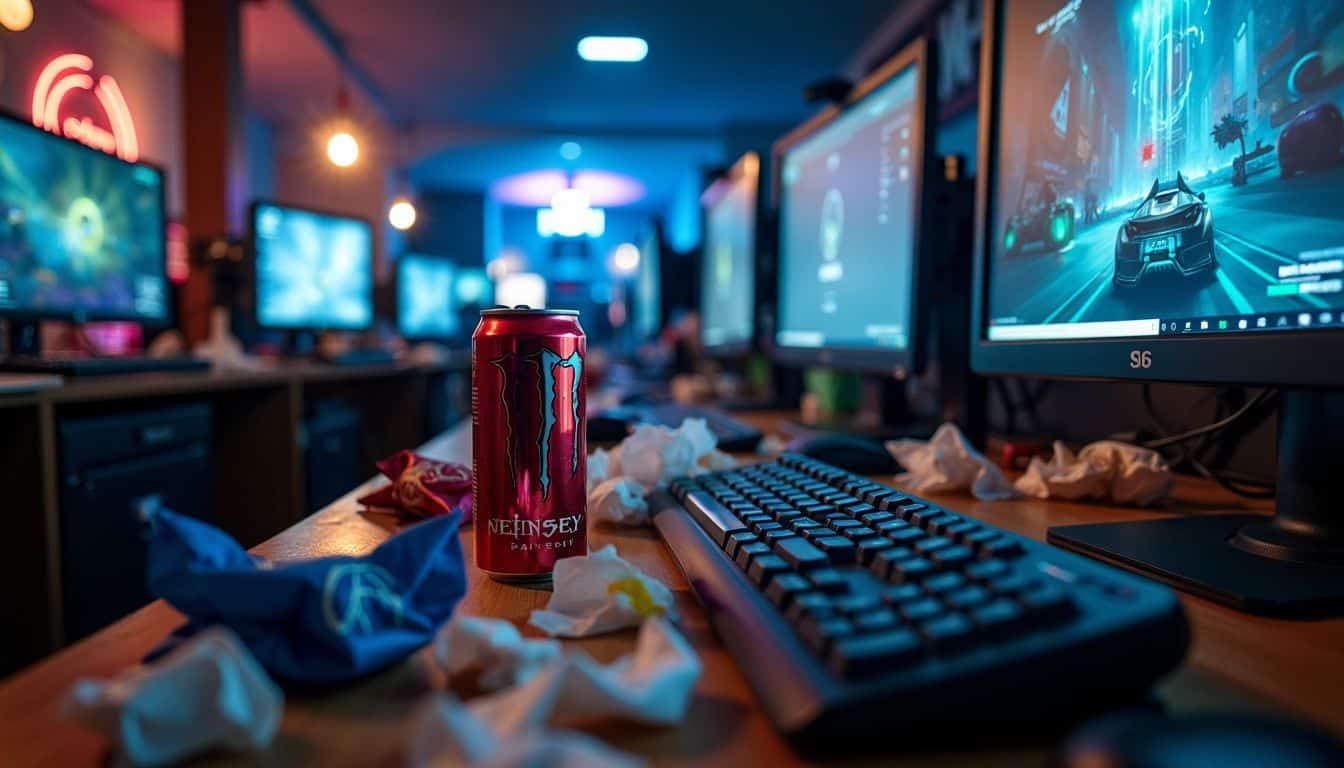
[1170,231]
[1044,218]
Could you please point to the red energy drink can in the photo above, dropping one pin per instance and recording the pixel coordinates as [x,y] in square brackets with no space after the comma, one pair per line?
[529,449]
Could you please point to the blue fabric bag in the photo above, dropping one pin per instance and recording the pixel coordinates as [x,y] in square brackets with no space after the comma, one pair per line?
[318,621]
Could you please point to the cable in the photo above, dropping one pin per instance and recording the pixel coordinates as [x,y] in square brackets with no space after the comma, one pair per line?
[1263,396]
[1235,482]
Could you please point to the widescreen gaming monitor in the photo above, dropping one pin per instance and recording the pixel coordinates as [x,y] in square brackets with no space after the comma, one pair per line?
[728,259]
[849,225]
[427,301]
[314,270]
[81,232]
[1162,198]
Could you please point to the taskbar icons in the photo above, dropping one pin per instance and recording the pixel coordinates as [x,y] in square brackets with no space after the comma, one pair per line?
[1275,321]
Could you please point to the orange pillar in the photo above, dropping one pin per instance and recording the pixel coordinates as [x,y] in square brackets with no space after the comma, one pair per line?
[212,110]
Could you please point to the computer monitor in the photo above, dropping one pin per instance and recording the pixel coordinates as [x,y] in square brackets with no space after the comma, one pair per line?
[82,233]
[313,269]
[427,301]
[649,284]
[851,224]
[1160,199]
[728,297]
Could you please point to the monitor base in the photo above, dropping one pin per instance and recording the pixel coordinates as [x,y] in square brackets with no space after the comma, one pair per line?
[1287,564]
[857,427]
[1200,555]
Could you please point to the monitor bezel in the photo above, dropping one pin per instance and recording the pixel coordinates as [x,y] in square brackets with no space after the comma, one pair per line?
[253,255]
[712,195]
[397,279]
[1290,358]
[898,362]
[81,317]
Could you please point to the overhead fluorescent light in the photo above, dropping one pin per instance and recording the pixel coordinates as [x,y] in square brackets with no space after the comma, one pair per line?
[595,48]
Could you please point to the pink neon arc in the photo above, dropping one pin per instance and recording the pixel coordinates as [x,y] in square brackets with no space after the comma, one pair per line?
[69,72]
[535,189]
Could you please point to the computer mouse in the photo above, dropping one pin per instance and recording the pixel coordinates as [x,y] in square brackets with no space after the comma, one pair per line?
[1207,741]
[855,454]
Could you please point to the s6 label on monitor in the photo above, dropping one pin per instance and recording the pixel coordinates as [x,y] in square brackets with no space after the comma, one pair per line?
[1141,358]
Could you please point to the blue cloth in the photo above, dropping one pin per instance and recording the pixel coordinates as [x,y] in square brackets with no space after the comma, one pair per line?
[318,621]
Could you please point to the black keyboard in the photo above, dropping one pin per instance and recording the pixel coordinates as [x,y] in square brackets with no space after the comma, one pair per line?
[859,614]
[103,366]
[733,436]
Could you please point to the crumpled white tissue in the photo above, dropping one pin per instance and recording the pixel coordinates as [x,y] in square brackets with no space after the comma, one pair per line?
[599,593]
[209,693]
[649,458]
[619,500]
[948,462]
[1110,470]
[493,648]
[652,685]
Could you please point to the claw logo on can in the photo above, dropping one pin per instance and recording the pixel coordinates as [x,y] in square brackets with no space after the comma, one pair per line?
[547,363]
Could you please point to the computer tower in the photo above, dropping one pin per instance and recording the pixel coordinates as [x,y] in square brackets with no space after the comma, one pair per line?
[108,465]
[330,453]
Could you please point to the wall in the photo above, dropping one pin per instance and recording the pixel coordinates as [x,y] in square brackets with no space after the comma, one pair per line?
[148,78]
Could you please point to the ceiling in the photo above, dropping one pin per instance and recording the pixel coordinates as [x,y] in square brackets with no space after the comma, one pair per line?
[507,71]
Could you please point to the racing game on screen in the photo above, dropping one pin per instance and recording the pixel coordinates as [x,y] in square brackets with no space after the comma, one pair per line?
[313,270]
[728,269]
[847,225]
[1174,167]
[81,232]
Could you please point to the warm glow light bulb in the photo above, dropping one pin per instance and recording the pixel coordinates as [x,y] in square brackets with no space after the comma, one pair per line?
[342,149]
[625,259]
[16,15]
[402,214]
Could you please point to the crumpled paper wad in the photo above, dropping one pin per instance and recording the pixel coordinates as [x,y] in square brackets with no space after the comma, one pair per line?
[1109,470]
[652,685]
[651,457]
[599,593]
[494,649]
[948,462]
[209,693]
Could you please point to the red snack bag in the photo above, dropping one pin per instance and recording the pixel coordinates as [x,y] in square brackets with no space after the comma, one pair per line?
[422,487]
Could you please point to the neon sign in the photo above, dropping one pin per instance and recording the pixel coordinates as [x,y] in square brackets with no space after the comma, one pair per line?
[68,73]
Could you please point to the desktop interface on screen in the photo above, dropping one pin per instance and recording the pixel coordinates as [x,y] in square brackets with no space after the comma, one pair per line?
[847,225]
[728,264]
[81,232]
[313,270]
[427,297]
[1173,168]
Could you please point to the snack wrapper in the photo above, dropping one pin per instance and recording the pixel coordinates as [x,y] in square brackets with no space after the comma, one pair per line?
[208,694]
[422,487]
[599,593]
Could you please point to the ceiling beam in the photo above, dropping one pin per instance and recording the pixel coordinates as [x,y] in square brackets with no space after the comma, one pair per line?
[335,45]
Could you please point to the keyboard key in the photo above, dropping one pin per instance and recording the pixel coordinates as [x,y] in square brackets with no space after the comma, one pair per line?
[853,604]
[1001,547]
[901,593]
[839,524]
[948,634]
[892,503]
[867,655]
[802,524]
[960,529]
[749,550]
[1048,604]
[839,549]
[751,521]
[714,518]
[905,535]
[809,605]
[735,540]
[951,557]
[986,570]
[860,509]
[869,547]
[877,620]
[910,510]
[829,581]
[1012,584]
[910,569]
[967,597]
[926,546]
[787,518]
[800,554]
[762,528]
[944,582]
[873,518]
[998,618]
[765,567]
[924,609]
[857,533]
[770,537]
[938,524]
[884,560]
[819,634]
[784,587]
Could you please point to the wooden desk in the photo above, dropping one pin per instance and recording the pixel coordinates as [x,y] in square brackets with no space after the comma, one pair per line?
[1236,662]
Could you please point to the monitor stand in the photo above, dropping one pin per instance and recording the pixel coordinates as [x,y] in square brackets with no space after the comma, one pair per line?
[884,414]
[23,351]
[1288,564]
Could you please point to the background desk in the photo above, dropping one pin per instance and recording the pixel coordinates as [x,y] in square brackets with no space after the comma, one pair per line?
[1235,663]
[256,447]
